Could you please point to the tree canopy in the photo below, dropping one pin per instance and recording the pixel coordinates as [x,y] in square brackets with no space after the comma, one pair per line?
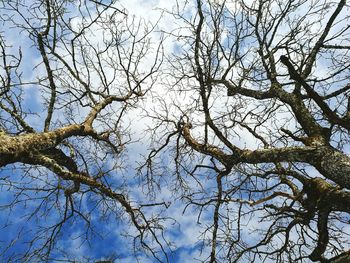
[240,110]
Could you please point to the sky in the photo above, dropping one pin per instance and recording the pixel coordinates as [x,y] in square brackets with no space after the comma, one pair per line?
[109,236]
[107,243]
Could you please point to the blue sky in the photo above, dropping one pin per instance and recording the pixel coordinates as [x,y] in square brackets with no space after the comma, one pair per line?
[109,235]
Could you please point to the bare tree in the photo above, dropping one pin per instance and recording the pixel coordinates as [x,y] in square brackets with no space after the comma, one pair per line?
[261,144]
[61,152]
[254,113]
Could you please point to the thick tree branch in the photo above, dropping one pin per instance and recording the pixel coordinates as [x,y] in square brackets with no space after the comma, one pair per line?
[331,115]
[312,57]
